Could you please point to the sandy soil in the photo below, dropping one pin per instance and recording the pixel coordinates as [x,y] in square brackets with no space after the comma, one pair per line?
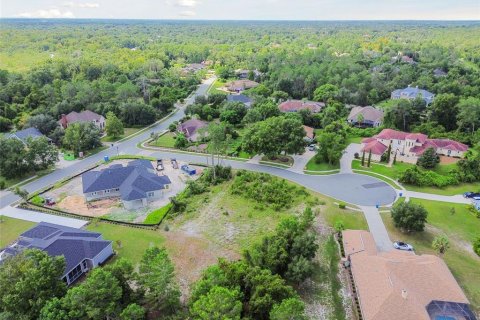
[448,160]
[77,204]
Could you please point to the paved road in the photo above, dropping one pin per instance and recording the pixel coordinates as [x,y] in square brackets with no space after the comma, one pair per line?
[377,228]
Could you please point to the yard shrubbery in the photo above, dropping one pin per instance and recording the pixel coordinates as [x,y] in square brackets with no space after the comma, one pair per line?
[265,189]
[156,216]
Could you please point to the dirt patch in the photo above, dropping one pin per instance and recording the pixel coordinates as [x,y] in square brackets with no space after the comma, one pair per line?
[78,205]
[192,255]
[448,160]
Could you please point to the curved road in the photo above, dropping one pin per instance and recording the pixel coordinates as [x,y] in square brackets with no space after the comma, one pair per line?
[351,188]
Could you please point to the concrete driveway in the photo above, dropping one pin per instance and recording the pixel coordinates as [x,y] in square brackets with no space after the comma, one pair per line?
[301,160]
[377,228]
[348,156]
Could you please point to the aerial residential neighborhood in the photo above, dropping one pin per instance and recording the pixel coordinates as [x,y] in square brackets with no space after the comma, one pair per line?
[212,161]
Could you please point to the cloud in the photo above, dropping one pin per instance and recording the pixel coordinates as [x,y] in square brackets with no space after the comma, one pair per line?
[186,3]
[89,5]
[187,13]
[46,13]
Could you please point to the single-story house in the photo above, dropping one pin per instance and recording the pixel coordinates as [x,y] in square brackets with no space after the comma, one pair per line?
[369,116]
[309,134]
[136,184]
[399,285]
[241,85]
[411,93]
[438,73]
[193,68]
[83,250]
[246,100]
[84,116]
[190,128]
[243,73]
[25,134]
[297,105]
[410,146]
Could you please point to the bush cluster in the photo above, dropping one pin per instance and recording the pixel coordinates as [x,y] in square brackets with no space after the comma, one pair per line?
[417,177]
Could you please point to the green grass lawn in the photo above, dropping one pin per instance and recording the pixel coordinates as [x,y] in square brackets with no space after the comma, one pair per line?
[166,140]
[217,84]
[134,241]
[323,166]
[14,181]
[391,172]
[354,140]
[127,132]
[11,228]
[447,191]
[464,265]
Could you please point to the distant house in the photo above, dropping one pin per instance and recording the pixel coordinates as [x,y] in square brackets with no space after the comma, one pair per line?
[400,285]
[190,128]
[297,105]
[410,146]
[136,184]
[246,100]
[438,73]
[369,116]
[309,134]
[193,67]
[84,116]
[25,134]
[83,250]
[243,73]
[241,85]
[411,93]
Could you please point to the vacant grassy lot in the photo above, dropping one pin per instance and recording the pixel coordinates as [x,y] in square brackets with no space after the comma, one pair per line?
[127,132]
[11,228]
[166,140]
[322,166]
[463,263]
[391,172]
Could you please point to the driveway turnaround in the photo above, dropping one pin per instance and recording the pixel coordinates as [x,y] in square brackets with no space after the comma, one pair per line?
[377,228]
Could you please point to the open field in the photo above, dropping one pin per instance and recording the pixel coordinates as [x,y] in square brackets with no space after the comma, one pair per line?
[463,263]
[11,228]
[127,132]
[166,140]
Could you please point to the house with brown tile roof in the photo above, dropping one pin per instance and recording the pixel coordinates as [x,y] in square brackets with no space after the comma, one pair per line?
[84,116]
[241,85]
[297,105]
[309,133]
[399,285]
[365,116]
[410,146]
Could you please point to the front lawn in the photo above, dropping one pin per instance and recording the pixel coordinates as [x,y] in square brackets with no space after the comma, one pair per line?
[215,86]
[11,228]
[447,191]
[464,265]
[322,166]
[134,241]
[27,175]
[391,172]
[127,132]
[166,140]
[354,140]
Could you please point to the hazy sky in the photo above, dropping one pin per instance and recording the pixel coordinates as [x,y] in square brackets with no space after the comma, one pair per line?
[245,9]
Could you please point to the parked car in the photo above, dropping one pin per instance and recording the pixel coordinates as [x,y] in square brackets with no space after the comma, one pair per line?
[174,163]
[160,165]
[49,201]
[312,147]
[402,246]
[471,194]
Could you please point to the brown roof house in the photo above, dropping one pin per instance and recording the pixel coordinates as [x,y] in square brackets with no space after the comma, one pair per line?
[297,105]
[241,85]
[399,285]
[190,128]
[84,116]
[365,116]
[310,134]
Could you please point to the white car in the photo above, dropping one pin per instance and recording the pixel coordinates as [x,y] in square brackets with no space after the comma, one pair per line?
[402,246]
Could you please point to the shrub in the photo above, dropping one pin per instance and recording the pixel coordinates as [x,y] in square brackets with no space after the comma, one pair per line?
[3,183]
[342,205]
[37,200]
[222,174]
[476,246]
[409,216]
[417,177]
[156,216]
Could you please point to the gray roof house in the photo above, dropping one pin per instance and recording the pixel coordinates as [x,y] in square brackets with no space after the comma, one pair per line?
[24,134]
[136,184]
[83,250]
[411,93]
[372,117]
[246,100]
[190,128]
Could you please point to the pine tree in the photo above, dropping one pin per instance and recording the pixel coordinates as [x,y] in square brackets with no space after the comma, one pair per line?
[369,158]
[363,159]
[395,158]
[389,151]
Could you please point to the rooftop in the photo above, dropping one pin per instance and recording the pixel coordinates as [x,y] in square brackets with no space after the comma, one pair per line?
[297,105]
[24,134]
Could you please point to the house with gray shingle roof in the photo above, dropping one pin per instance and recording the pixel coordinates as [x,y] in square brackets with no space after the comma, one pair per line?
[136,183]
[246,100]
[83,250]
[411,93]
[365,116]
[24,134]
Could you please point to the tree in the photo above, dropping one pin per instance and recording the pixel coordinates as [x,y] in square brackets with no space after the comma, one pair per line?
[137,113]
[28,280]
[441,244]
[113,126]
[157,279]
[5,124]
[400,115]
[40,153]
[216,98]
[81,136]
[389,152]
[218,304]
[43,122]
[274,136]
[363,159]
[476,246]
[468,117]
[409,216]
[289,309]
[369,158]
[233,112]
[339,226]
[180,141]
[429,159]
[133,312]
[122,270]
[13,158]
[325,92]
[444,110]
[22,193]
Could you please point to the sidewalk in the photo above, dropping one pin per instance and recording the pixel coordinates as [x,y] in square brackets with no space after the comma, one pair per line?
[377,228]
[35,216]
[436,197]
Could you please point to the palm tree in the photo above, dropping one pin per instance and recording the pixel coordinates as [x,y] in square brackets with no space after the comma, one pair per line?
[441,244]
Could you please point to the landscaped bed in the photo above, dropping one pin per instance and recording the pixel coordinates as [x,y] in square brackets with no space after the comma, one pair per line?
[312,165]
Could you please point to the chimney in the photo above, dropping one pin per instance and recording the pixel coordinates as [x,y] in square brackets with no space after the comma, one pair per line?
[404,294]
